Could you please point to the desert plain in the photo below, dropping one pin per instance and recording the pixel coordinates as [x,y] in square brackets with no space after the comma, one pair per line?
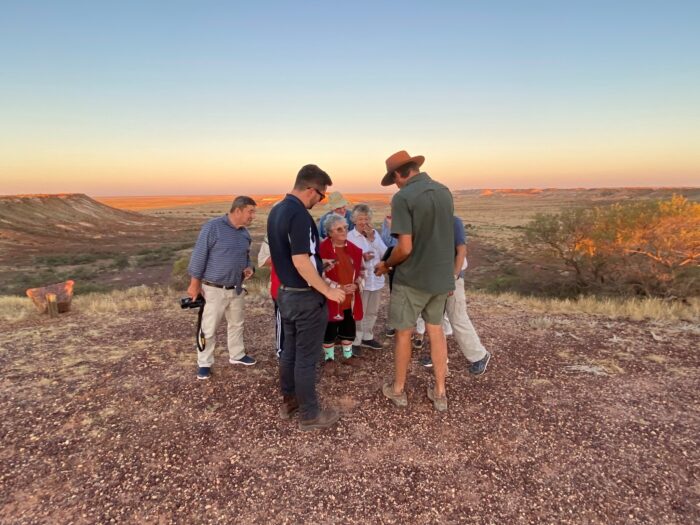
[588,412]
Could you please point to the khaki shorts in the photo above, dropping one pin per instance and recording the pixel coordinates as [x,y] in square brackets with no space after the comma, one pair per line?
[407,303]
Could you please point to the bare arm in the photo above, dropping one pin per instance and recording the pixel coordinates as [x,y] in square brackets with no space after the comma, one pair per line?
[195,288]
[307,271]
[401,251]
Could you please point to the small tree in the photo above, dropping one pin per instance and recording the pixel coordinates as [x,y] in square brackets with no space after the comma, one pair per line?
[650,247]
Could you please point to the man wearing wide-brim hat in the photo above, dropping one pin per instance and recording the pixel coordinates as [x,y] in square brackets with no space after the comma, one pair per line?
[423,260]
[338,205]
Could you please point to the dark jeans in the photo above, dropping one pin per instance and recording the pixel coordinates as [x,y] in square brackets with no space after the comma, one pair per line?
[304,316]
[279,333]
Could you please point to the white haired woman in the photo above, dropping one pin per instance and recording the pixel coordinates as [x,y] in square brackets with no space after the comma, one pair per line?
[373,248]
[342,269]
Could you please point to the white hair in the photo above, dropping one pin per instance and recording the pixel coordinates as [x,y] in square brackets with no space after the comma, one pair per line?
[331,220]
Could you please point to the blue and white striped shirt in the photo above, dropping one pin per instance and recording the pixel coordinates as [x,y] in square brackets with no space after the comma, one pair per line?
[221,253]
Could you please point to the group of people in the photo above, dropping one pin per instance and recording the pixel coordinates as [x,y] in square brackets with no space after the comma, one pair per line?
[327,280]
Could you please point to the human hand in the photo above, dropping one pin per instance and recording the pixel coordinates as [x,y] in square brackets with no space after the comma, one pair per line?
[368,256]
[248,273]
[381,269]
[194,290]
[335,294]
[350,288]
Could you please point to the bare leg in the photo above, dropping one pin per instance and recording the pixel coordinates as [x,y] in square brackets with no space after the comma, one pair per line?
[438,354]
[402,358]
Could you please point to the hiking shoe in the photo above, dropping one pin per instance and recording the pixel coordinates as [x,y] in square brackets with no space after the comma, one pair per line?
[479,367]
[418,343]
[400,400]
[440,403]
[245,360]
[203,372]
[390,332]
[371,343]
[325,418]
[290,405]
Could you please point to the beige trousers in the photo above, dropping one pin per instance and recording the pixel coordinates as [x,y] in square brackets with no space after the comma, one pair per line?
[462,327]
[370,308]
[222,303]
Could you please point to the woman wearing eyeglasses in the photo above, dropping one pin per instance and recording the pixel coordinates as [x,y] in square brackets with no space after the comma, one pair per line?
[342,262]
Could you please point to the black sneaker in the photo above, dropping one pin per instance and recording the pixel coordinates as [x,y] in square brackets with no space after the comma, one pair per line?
[203,372]
[427,362]
[418,343]
[390,332]
[479,367]
[371,343]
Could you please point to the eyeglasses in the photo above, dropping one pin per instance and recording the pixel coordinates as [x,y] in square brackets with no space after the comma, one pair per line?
[340,229]
[321,195]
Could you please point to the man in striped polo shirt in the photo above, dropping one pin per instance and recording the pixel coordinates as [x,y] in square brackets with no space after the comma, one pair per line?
[219,264]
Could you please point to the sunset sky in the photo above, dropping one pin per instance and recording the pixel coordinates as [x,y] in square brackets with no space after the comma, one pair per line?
[147,97]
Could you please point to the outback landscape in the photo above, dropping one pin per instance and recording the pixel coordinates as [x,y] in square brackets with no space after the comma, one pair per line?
[588,412]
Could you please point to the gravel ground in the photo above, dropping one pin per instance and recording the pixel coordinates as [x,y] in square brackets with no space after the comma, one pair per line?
[578,420]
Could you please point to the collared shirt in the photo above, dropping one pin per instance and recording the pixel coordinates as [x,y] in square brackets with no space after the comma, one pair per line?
[322,227]
[424,209]
[221,253]
[292,231]
[377,247]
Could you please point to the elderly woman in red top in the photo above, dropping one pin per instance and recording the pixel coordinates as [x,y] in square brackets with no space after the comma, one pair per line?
[342,262]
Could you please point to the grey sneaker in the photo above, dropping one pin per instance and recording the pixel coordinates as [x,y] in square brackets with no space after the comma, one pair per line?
[440,403]
[479,367]
[400,400]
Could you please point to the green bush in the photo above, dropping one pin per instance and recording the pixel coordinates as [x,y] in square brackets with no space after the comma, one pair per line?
[647,248]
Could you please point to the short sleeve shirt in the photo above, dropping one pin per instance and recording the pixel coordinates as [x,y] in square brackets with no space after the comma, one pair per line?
[424,209]
[292,231]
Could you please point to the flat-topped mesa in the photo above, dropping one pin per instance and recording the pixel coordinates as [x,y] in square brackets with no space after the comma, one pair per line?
[44,212]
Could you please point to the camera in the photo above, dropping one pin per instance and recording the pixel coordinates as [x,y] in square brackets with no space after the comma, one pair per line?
[187,302]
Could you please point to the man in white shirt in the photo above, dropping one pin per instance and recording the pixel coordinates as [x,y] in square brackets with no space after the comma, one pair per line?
[373,248]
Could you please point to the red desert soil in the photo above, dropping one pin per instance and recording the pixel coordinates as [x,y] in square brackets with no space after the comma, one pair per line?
[578,420]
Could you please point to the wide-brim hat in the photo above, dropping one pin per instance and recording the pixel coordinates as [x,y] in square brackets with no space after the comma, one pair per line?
[336,200]
[398,159]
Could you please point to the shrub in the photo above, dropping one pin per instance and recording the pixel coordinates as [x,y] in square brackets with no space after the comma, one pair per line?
[179,278]
[648,248]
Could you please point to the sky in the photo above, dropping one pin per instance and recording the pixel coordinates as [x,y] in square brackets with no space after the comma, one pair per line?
[198,97]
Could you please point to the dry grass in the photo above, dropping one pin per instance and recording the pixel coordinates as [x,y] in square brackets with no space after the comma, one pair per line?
[14,309]
[139,298]
[634,309]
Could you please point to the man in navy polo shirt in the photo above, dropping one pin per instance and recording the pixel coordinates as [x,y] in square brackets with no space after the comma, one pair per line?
[293,238]
[219,264]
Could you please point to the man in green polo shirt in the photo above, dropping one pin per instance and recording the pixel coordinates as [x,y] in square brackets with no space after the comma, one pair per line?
[423,259]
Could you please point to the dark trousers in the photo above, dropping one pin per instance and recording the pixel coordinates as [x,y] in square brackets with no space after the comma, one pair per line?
[304,316]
